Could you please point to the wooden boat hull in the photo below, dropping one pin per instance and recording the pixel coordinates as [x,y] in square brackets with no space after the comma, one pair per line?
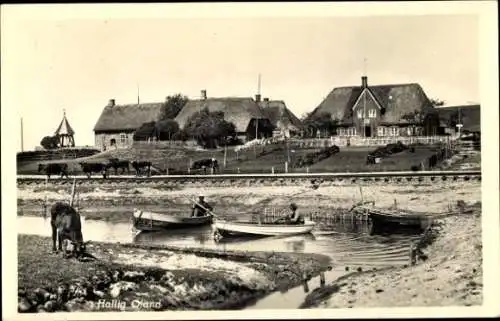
[152,221]
[225,229]
[386,218]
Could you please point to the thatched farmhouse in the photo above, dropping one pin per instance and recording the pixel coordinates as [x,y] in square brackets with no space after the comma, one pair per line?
[244,113]
[116,125]
[285,122]
[467,117]
[380,110]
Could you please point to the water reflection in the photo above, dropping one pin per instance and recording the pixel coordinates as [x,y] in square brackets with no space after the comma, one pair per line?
[345,242]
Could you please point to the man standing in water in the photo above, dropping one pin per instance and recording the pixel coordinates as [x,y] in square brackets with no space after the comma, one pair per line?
[200,208]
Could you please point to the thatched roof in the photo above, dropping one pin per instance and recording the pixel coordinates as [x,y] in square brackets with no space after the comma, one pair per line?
[395,101]
[239,111]
[279,115]
[470,116]
[127,117]
[64,127]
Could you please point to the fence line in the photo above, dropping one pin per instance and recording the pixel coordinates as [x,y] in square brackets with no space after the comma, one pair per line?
[343,141]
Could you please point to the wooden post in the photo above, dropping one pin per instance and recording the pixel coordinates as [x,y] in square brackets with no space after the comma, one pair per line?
[45,198]
[322,279]
[73,192]
[286,167]
[272,170]
[225,155]
[22,136]
[412,255]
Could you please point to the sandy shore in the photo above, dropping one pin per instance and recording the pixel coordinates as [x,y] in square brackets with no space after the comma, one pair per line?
[451,276]
[174,279]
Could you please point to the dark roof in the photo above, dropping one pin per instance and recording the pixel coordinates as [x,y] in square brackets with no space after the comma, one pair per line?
[470,116]
[279,115]
[396,100]
[127,117]
[239,111]
[64,127]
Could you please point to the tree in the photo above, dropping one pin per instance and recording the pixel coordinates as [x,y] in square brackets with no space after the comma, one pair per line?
[50,142]
[146,131]
[172,106]
[209,128]
[165,129]
[435,102]
[323,121]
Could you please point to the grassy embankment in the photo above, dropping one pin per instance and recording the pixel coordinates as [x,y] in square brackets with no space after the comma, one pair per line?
[262,159]
[178,279]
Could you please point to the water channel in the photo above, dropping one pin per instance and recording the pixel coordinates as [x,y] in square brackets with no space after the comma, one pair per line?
[347,243]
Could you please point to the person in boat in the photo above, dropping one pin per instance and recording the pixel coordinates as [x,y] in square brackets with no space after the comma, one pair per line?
[200,208]
[293,218]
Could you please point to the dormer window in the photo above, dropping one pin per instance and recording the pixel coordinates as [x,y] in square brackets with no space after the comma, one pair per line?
[372,113]
[360,113]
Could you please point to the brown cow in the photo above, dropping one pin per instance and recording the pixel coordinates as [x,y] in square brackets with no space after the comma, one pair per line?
[66,225]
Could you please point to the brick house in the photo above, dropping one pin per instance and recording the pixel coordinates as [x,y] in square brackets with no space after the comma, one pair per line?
[116,126]
[380,110]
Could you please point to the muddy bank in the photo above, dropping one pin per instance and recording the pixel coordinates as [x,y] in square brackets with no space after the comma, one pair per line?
[133,277]
[246,200]
[450,276]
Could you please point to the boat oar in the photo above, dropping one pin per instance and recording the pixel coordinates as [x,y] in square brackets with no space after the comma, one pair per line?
[203,207]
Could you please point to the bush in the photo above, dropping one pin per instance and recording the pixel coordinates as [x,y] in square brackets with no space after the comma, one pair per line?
[415,168]
[313,158]
[388,150]
[181,135]
[50,142]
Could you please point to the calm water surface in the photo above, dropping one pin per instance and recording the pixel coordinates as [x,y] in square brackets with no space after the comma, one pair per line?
[347,243]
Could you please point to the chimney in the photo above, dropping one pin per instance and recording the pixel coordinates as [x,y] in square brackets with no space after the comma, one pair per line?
[364,81]
[111,103]
[257,98]
[204,94]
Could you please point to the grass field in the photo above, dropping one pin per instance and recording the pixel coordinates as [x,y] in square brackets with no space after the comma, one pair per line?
[262,159]
[354,160]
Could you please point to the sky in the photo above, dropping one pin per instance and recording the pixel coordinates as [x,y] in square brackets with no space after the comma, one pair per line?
[51,63]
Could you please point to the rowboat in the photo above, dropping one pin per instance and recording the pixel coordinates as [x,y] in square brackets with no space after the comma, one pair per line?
[153,221]
[386,218]
[224,228]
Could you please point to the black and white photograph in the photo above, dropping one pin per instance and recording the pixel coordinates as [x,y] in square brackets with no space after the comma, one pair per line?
[258,159]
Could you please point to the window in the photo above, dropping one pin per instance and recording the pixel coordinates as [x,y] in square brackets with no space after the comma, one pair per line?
[123,138]
[394,131]
[372,113]
[341,131]
[360,113]
[380,131]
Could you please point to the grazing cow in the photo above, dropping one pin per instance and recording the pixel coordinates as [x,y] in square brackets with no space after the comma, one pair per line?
[206,163]
[142,166]
[117,164]
[66,225]
[89,168]
[51,169]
